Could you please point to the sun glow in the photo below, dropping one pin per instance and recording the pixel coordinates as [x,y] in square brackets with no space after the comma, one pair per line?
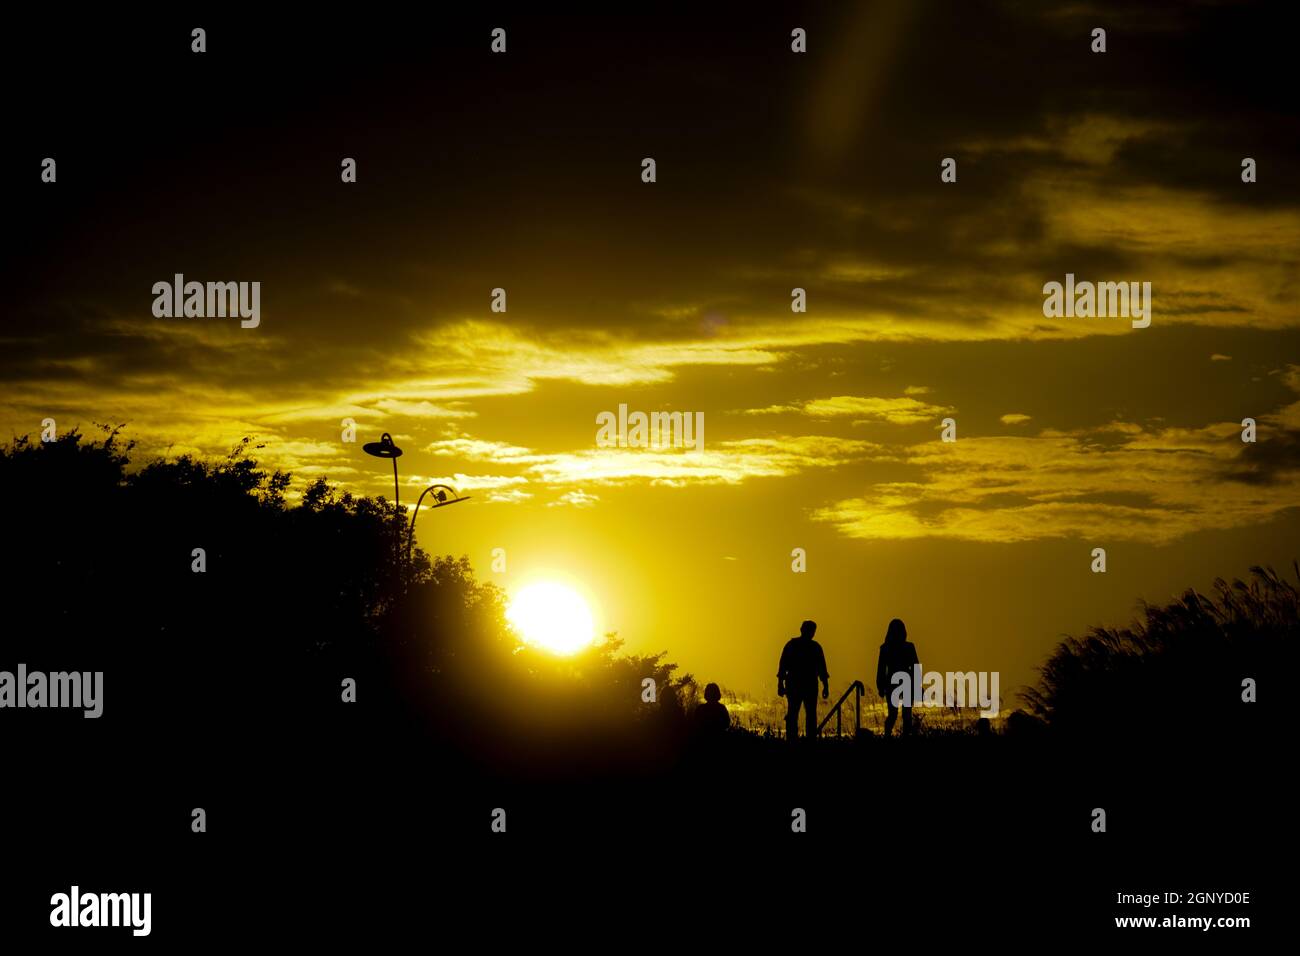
[552,616]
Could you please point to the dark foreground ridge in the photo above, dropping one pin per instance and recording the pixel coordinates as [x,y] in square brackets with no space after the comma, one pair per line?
[222,690]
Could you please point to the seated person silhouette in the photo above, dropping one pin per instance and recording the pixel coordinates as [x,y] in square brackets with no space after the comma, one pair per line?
[897,656]
[802,664]
[711,717]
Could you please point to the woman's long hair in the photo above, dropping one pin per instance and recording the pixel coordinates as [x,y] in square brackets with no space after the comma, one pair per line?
[897,632]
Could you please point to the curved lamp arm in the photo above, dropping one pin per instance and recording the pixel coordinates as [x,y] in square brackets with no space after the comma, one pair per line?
[442,498]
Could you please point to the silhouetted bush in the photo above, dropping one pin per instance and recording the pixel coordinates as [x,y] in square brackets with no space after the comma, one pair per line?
[1179,669]
[295,597]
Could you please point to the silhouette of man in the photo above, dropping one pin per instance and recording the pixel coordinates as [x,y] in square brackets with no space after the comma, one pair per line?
[711,717]
[802,664]
[897,656]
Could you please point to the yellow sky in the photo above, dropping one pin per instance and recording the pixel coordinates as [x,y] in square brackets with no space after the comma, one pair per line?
[924,302]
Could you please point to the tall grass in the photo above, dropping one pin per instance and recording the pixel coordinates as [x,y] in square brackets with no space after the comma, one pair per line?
[1180,663]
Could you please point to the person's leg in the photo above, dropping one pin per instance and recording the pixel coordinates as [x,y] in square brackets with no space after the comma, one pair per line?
[792,713]
[810,704]
[907,721]
[890,718]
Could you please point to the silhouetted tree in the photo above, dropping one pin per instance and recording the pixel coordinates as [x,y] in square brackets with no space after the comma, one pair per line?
[253,650]
[1180,666]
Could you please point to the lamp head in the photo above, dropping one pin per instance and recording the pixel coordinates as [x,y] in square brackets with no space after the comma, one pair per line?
[444,495]
[384,448]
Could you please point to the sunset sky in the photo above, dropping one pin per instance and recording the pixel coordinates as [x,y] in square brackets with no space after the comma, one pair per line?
[775,170]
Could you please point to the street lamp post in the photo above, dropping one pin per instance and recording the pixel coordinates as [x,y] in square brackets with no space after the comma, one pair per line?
[384,448]
[442,494]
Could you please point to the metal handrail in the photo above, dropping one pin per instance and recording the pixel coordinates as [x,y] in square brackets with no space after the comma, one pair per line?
[837,710]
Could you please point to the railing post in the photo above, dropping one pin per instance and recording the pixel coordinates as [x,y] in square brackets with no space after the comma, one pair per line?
[856,689]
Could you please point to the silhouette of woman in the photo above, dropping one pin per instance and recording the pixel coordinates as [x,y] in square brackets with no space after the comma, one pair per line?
[711,717]
[897,656]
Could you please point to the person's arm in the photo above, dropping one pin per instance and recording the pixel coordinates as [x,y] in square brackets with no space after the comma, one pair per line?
[882,674]
[826,678]
[781,670]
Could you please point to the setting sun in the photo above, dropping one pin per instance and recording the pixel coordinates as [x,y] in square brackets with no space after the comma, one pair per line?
[552,616]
